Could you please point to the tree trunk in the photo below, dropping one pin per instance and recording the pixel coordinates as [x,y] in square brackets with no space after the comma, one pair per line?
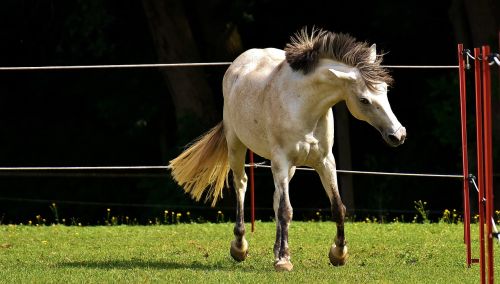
[191,94]
[217,33]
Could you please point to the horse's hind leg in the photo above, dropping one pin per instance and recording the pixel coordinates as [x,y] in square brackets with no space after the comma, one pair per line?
[338,251]
[237,152]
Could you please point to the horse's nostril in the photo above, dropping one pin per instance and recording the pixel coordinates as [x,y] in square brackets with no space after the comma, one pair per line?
[394,139]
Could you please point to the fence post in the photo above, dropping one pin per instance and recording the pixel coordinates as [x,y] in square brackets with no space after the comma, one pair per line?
[488,165]
[480,160]
[465,162]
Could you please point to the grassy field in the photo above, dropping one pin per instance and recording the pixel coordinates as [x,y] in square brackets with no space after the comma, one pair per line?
[199,253]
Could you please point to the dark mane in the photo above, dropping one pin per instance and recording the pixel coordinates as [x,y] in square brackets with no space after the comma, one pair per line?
[304,51]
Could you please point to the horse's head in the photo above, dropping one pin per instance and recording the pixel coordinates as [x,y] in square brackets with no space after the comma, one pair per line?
[369,102]
[360,79]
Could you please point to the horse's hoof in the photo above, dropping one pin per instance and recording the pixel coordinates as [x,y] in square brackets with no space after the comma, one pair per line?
[239,253]
[283,265]
[338,255]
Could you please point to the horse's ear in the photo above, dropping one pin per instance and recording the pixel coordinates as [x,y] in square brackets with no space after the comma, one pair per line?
[343,73]
[373,53]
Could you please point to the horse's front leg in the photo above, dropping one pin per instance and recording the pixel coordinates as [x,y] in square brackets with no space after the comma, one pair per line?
[283,212]
[327,171]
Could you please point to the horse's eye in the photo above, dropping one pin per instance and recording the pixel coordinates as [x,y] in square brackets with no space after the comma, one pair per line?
[364,101]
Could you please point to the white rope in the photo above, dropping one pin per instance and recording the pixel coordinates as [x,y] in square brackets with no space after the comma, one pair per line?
[497,61]
[194,64]
[494,57]
[101,168]
[469,55]
[116,66]
[492,219]
[421,66]
[257,165]
[475,185]
[495,230]
[261,165]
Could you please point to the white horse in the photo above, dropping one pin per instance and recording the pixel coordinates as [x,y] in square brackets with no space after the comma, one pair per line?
[278,103]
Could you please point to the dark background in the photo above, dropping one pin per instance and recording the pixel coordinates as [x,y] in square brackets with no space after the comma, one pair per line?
[123,117]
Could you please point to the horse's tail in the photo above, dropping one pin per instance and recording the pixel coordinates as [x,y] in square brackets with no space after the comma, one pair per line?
[204,165]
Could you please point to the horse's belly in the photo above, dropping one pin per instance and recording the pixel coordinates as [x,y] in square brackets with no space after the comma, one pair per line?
[249,128]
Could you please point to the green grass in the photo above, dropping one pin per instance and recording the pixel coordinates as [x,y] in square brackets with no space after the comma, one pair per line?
[199,253]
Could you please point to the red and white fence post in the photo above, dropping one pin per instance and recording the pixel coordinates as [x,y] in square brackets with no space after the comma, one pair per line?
[484,159]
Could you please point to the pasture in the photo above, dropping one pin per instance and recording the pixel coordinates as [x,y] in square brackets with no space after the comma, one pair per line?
[199,253]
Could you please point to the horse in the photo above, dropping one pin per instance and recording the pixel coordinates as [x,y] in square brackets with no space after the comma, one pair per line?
[278,103]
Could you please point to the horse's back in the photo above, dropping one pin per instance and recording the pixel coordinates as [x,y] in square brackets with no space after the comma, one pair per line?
[254,64]
[260,57]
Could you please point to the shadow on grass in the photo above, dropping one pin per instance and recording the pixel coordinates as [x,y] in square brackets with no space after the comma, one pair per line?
[156,264]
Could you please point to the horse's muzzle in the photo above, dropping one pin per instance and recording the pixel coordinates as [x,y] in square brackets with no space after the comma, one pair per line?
[396,138]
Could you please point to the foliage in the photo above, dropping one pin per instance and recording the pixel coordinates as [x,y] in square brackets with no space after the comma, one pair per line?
[452,217]
[422,211]
[178,216]
[125,117]
[199,253]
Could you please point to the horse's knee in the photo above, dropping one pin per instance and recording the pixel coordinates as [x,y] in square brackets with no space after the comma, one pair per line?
[285,217]
[285,212]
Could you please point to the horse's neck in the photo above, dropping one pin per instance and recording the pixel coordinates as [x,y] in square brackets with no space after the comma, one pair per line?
[315,97]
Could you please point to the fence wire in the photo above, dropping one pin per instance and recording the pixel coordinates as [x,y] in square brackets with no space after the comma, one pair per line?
[123,171]
[37,171]
[170,65]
